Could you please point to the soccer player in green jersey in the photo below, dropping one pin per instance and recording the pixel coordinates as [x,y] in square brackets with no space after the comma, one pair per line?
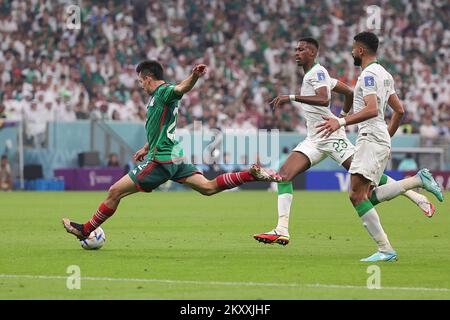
[165,157]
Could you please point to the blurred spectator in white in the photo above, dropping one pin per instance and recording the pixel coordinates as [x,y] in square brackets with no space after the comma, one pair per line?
[128,78]
[132,106]
[64,111]
[50,112]
[13,107]
[35,124]
[115,106]
[428,130]
[5,76]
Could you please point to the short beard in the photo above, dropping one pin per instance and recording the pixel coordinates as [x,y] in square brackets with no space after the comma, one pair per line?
[357,61]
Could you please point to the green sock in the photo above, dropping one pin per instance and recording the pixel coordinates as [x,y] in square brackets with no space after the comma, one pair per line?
[383,180]
[285,190]
[285,187]
[363,207]
[373,198]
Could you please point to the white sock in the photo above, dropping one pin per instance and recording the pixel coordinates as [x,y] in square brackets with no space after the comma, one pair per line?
[372,223]
[284,209]
[410,194]
[392,190]
[388,191]
[411,183]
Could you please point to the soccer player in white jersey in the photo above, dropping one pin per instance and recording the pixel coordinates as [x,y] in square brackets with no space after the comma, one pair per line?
[315,98]
[373,92]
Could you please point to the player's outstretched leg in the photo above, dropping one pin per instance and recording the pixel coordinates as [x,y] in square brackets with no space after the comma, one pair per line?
[125,186]
[264,174]
[230,180]
[419,199]
[423,179]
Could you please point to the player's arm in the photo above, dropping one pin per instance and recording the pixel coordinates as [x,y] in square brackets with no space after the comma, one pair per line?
[187,84]
[141,153]
[344,89]
[369,111]
[397,117]
[319,99]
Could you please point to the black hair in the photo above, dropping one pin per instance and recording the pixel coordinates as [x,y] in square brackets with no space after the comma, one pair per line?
[150,68]
[369,40]
[312,41]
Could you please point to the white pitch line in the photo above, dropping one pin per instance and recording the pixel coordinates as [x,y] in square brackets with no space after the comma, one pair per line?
[318,285]
[219,283]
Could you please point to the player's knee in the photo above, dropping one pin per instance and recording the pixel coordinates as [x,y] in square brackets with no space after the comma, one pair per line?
[285,176]
[114,193]
[356,197]
[208,190]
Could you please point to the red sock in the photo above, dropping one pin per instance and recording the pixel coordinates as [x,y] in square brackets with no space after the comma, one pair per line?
[100,216]
[233,179]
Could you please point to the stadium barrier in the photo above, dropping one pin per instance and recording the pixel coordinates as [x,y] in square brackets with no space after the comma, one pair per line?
[65,141]
[45,185]
[101,179]
[89,178]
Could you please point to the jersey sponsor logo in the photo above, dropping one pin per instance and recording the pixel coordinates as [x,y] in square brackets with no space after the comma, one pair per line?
[320,76]
[369,81]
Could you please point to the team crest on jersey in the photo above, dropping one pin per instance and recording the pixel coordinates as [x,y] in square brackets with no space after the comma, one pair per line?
[321,76]
[369,81]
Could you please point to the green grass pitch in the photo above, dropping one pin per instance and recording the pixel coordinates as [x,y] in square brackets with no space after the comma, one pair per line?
[182,245]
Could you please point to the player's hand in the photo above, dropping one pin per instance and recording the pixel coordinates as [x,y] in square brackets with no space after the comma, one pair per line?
[328,127]
[199,70]
[275,103]
[140,154]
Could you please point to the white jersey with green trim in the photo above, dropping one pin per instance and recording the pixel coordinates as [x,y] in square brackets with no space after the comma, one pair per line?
[315,78]
[374,79]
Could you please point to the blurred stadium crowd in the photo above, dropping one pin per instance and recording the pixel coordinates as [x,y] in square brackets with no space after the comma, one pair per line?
[48,72]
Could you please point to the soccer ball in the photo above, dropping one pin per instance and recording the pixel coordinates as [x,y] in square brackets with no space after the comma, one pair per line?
[95,241]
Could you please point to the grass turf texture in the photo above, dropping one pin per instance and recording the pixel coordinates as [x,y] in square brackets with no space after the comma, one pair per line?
[204,245]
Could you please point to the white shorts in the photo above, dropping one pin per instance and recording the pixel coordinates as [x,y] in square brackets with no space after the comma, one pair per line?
[337,147]
[370,160]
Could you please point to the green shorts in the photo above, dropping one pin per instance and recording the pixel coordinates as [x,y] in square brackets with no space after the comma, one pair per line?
[152,173]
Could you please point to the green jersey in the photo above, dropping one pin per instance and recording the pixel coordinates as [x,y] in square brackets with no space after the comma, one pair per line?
[162,116]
